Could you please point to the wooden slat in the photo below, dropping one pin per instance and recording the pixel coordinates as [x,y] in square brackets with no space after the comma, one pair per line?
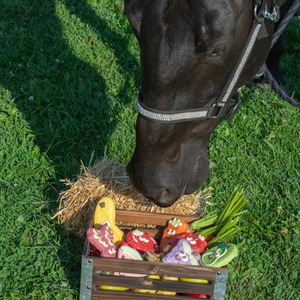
[117,295]
[154,268]
[142,217]
[153,284]
[91,218]
[86,248]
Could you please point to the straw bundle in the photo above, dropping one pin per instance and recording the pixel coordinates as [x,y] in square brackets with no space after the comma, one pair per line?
[108,178]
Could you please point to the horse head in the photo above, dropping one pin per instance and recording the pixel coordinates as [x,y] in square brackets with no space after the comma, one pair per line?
[188,49]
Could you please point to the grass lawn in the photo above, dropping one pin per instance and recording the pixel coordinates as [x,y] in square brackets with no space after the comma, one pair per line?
[69,77]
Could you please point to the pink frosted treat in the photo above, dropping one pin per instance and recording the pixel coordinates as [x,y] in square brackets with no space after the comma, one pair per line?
[182,254]
[126,252]
[103,240]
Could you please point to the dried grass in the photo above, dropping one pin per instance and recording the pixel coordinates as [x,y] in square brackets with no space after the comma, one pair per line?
[108,178]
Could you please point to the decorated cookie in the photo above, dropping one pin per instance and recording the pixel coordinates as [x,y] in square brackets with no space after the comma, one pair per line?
[197,242]
[105,212]
[126,252]
[103,240]
[175,227]
[183,254]
[219,256]
[141,241]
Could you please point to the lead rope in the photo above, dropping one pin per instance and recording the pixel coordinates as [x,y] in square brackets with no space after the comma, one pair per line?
[268,76]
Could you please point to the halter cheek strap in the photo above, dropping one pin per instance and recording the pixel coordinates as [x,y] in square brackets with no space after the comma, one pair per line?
[222,106]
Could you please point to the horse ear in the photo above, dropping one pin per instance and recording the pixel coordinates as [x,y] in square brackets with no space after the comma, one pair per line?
[133,11]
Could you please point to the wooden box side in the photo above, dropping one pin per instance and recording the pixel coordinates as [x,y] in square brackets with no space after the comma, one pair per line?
[147,268]
[115,295]
[142,217]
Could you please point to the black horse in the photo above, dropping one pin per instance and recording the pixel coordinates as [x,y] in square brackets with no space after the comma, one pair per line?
[188,50]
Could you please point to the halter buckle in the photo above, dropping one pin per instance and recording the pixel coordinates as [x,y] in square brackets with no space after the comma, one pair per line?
[216,111]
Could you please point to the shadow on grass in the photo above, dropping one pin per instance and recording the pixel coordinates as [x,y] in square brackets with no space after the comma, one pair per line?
[70,101]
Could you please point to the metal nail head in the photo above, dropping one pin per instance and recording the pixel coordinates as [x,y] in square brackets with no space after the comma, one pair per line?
[215,299]
[154,270]
[219,273]
[88,287]
[90,260]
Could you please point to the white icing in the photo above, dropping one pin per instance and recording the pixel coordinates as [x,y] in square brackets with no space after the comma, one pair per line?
[185,259]
[106,222]
[187,248]
[108,238]
[202,238]
[137,233]
[99,239]
[175,222]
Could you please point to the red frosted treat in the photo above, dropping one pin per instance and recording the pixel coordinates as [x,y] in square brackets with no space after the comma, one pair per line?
[141,241]
[196,295]
[197,242]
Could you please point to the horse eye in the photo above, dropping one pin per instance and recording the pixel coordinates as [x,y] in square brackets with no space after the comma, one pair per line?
[219,51]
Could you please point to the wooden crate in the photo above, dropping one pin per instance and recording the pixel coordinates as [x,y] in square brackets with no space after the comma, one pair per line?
[92,279]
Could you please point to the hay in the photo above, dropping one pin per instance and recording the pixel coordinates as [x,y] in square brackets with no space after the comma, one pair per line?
[108,178]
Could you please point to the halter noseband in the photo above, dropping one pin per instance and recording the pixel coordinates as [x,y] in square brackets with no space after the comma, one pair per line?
[222,106]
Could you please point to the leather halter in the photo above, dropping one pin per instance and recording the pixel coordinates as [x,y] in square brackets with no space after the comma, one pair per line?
[222,106]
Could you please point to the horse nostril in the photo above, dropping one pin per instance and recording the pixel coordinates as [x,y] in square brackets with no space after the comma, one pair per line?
[169,191]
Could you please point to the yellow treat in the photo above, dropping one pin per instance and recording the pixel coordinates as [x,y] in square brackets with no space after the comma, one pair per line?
[167,293]
[105,212]
[194,280]
[113,288]
[147,291]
